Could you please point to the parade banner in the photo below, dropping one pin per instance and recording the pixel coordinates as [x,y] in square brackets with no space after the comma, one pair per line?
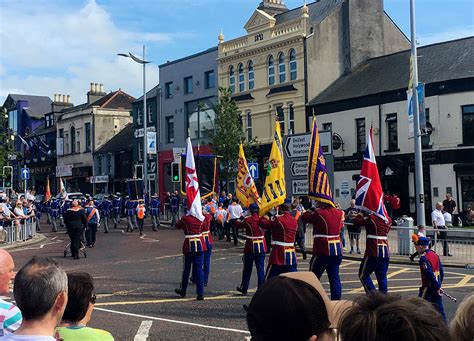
[193,197]
[47,190]
[246,190]
[207,174]
[274,191]
[62,188]
[318,181]
[369,195]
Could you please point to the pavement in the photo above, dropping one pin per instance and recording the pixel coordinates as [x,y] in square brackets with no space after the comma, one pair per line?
[135,278]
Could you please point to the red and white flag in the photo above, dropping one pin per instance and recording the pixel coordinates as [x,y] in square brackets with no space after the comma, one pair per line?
[192,185]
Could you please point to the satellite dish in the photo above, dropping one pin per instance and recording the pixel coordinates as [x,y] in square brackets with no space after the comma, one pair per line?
[337,141]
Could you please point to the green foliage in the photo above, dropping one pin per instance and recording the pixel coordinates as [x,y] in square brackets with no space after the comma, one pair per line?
[5,144]
[228,134]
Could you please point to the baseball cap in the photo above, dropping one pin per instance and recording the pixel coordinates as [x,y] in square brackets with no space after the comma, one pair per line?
[293,306]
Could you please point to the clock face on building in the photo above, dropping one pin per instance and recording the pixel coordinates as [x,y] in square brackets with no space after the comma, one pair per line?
[337,141]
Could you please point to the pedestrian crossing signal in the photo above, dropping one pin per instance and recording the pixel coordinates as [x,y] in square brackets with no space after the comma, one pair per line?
[175,172]
[7,176]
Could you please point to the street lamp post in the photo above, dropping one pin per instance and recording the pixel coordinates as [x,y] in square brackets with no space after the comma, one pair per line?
[145,118]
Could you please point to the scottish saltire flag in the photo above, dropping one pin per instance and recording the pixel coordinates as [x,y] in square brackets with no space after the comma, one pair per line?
[369,195]
[246,190]
[193,196]
[318,181]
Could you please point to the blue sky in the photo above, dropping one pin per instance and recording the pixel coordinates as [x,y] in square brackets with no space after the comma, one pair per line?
[59,46]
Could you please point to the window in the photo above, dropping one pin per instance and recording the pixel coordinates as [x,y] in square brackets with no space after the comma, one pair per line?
[271,71]
[169,90]
[360,134]
[99,165]
[281,68]
[231,79]
[200,120]
[468,124]
[291,119]
[61,133]
[392,132]
[72,132]
[140,150]
[150,114]
[425,139]
[169,129]
[293,65]
[281,118]
[327,126]
[78,141]
[87,128]
[241,78]
[210,79]
[249,125]
[251,75]
[188,85]
[108,164]
[66,143]
[139,116]
[49,120]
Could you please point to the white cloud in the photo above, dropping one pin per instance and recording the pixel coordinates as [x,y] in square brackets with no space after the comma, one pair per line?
[57,49]
[451,34]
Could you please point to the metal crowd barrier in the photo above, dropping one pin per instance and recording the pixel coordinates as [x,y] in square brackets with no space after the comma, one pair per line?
[14,234]
[460,242]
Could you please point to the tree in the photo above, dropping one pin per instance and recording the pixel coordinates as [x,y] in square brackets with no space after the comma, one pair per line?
[228,134]
[5,144]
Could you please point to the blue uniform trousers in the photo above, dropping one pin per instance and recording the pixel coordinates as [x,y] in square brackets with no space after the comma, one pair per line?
[207,263]
[330,264]
[275,270]
[249,259]
[369,265]
[193,259]
[434,298]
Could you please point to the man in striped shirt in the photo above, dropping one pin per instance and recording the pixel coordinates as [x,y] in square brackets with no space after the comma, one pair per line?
[10,315]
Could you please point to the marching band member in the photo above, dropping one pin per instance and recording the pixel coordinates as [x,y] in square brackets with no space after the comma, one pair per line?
[155,211]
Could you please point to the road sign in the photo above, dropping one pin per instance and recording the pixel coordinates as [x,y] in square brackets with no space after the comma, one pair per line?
[151,166]
[25,174]
[299,168]
[253,169]
[297,146]
[299,186]
[177,152]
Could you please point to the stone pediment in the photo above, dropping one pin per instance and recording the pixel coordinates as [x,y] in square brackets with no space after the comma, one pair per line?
[259,20]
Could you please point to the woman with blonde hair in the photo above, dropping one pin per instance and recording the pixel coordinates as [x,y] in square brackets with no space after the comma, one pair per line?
[462,326]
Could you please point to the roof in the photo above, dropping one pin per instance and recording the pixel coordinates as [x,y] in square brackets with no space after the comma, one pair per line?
[121,141]
[113,100]
[37,105]
[436,63]
[318,11]
[150,94]
[209,50]
[42,130]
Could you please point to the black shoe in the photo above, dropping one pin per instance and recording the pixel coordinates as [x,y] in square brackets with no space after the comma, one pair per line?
[180,292]
[412,258]
[106,231]
[304,256]
[200,298]
[155,229]
[450,255]
[192,280]
[141,234]
[242,291]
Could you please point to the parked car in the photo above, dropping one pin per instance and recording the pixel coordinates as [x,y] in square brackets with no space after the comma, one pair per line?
[71,196]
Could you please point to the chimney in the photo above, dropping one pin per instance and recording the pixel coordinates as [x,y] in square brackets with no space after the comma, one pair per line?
[272,7]
[68,99]
[61,102]
[95,93]
[55,96]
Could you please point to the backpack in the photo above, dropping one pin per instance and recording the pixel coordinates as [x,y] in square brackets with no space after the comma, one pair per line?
[141,212]
[220,217]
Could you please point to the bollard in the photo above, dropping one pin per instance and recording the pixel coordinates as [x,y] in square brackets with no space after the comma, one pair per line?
[404,232]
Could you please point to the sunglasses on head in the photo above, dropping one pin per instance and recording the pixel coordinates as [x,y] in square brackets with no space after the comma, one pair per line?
[93,299]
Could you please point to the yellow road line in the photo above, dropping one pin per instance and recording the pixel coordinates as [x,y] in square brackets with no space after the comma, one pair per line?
[393,274]
[464,281]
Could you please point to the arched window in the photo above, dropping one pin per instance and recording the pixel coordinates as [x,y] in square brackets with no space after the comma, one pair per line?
[251,75]
[72,132]
[281,68]
[293,65]
[241,77]
[249,125]
[231,79]
[271,70]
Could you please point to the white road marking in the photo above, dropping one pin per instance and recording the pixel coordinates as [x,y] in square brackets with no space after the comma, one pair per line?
[143,331]
[173,321]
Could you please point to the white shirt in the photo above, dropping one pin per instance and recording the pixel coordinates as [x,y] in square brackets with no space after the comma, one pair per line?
[448,219]
[438,218]
[235,211]
[15,337]
[6,210]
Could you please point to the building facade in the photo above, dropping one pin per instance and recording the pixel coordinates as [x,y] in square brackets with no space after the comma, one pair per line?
[189,92]
[153,106]
[82,129]
[375,95]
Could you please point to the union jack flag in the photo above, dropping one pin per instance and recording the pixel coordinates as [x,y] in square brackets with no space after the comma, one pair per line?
[369,195]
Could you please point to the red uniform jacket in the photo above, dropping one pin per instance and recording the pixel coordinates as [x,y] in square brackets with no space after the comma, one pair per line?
[283,238]
[192,228]
[326,230]
[255,238]
[376,243]
[206,229]
[431,270]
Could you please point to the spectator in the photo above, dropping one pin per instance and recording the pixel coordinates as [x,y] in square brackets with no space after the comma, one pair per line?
[167,205]
[395,207]
[386,317]
[40,291]
[80,304]
[353,229]
[76,222]
[235,212]
[221,220]
[449,204]
[462,326]
[388,202]
[10,315]
[296,211]
[293,306]
[439,223]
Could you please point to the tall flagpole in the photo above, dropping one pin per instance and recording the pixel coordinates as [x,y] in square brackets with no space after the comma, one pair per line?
[419,196]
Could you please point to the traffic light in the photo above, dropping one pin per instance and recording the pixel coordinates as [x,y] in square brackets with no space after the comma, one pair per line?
[175,176]
[7,176]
